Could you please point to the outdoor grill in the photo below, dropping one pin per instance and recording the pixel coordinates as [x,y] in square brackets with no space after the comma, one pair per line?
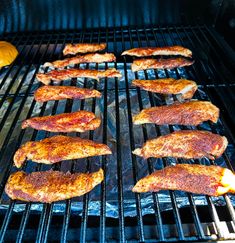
[111,212]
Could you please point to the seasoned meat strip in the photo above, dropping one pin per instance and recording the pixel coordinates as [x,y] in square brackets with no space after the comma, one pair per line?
[187,144]
[54,149]
[155,51]
[209,180]
[51,186]
[83,48]
[187,113]
[59,75]
[185,87]
[170,63]
[47,92]
[79,121]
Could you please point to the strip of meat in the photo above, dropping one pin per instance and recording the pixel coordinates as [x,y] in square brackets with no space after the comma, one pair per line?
[187,113]
[47,92]
[79,121]
[88,58]
[59,75]
[187,144]
[185,87]
[200,179]
[83,48]
[54,149]
[51,186]
[170,63]
[155,51]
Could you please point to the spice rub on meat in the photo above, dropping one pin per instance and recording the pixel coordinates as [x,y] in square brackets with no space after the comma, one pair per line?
[83,48]
[187,144]
[200,179]
[51,186]
[55,149]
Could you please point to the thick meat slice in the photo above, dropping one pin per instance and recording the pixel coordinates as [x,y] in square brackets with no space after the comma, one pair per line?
[47,92]
[83,48]
[51,186]
[79,121]
[170,63]
[188,144]
[59,75]
[186,88]
[187,113]
[210,180]
[88,58]
[54,149]
[155,51]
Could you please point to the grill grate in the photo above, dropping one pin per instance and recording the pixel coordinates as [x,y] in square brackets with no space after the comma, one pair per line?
[214,74]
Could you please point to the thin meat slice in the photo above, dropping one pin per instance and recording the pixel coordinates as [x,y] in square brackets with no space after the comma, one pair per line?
[185,88]
[51,186]
[156,51]
[187,144]
[88,58]
[170,63]
[54,149]
[83,48]
[48,92]
[187,113]
[79,121]
[60,75]
[200,179]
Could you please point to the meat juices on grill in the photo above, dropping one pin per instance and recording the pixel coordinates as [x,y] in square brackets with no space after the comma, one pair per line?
[187,113]
[186,88]
[155,51]
[187,144]
[55,149]
[88,58]
[83,48]
[79,121]
[170,63]
[48,92]
[51,186]
[59,75]
[200,179]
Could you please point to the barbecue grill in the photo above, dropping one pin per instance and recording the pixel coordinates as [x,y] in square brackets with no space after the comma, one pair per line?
[111,212]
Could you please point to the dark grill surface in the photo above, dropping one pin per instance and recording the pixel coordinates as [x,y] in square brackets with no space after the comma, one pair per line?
[213,71]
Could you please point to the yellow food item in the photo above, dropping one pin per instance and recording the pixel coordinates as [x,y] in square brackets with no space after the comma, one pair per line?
[8,53]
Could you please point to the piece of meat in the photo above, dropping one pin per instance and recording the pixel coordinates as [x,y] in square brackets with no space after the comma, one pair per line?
[200,179]
[170,63]
[187,144]
[187,113]
[48,92]
[79,121]
[83,48]
[54,149]
[59,75]
[155,51]
[88,58]
[51,186]
[186,88]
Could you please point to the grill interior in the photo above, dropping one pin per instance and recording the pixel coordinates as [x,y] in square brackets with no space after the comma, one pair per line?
[214,220]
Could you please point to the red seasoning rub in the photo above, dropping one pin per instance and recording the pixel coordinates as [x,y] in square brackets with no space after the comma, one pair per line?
[155,51]
[83,48]
[79,121]
[55,149]
[187,144]
[186,88]
[88,58]
[51,186]
[47,92]
[170,63]
[187,113]
[59,75]
[200,179]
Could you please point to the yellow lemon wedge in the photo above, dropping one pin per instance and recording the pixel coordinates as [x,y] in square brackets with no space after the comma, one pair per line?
[8,53]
